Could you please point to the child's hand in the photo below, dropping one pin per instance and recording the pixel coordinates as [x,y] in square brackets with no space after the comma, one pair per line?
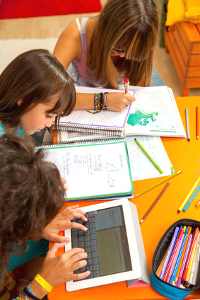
[61,223]
[117,101]
[59,269]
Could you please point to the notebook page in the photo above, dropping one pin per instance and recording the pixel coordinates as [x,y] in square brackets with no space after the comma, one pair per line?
[93,170]
[109,119]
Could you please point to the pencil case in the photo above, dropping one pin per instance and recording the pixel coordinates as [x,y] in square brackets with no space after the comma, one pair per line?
[164,288]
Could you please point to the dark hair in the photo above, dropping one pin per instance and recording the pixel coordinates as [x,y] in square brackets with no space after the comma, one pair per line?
[131,25]
[36,77]
[31,195]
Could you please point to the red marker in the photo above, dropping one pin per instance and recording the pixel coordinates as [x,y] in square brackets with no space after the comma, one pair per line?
[126,84]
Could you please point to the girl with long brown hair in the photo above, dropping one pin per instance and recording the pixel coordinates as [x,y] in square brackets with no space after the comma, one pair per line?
[104,50]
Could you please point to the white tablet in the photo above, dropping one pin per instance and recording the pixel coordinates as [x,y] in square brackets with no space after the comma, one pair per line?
[110,242]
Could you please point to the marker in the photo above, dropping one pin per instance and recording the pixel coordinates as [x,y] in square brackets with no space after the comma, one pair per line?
[126,84]
[149,156]
[197,122]
[187,124]
[184,260]
[154,203]
[180,234]
[171,274]
[185,246]
[190,200]
[188,196]
[172,279]
[158,183]
[171,247]
[196,268]
[191,263]
[190,254]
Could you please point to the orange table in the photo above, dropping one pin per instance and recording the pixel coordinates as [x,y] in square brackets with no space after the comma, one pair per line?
[184,156]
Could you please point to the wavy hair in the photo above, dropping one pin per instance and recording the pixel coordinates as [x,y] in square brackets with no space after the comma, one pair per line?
[131,25]
[31,195]
[36,77]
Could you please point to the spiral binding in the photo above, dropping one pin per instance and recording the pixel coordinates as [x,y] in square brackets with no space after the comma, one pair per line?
[87,129]
[72,143]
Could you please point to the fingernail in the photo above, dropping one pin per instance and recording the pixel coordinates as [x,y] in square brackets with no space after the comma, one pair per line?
[85,228]
[67,240]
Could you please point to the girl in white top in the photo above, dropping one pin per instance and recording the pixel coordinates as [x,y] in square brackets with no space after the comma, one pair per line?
[104,50]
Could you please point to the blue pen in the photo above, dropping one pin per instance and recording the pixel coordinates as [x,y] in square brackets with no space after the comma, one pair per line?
[171,247]
[178,258]
[192,197]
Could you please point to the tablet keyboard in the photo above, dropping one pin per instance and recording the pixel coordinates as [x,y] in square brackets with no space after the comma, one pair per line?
[88,241]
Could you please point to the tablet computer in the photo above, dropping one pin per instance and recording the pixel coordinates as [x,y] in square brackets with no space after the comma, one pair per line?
[110,242]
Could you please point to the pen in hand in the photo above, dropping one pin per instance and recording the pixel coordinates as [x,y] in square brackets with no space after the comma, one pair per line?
[126,84]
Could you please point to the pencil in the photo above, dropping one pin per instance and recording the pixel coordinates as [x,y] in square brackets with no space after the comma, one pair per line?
[197,122]
[158,183]
[187,124]
[191,198]
[148,155]
[154,203]
[126,84]
[188,196]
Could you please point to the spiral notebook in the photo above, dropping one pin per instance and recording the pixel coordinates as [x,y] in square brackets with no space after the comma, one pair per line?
[107,123]
[93,171]
[154,113]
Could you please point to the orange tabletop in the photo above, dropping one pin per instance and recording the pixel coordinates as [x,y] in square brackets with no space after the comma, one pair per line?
[185,156]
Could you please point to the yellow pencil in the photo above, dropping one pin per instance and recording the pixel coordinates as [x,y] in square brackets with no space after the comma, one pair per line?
[188,196]
[158,183]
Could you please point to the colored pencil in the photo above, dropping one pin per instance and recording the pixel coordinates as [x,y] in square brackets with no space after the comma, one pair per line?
[187,124]
[188,196]
[197,122]
[158,183]
[191,263]
[191,198]
[196,268]
[154,203]
[149,156]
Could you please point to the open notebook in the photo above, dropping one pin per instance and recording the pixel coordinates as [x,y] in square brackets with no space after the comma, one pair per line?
[93,171]
[154,113]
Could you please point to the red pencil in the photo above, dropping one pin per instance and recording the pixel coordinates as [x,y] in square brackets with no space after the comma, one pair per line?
[197,122]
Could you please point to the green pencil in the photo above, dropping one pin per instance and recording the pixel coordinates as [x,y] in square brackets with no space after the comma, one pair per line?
[147,154]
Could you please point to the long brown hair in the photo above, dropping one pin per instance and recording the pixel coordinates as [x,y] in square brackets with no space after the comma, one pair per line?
[131,25]
[36,77]
[31,195]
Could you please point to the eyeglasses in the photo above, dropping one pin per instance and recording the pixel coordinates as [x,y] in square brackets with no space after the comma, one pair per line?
[118,51]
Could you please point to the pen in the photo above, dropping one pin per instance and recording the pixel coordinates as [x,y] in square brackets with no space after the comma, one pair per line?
[171,276]
[197,122]
[126,84]
[188,196]
[158,183]
[154,203]
[148,155]
[187,124]
[190,200]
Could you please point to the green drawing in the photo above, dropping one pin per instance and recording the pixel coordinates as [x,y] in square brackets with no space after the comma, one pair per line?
[141,118]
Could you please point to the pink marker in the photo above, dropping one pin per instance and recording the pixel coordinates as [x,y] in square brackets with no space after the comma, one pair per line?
[173,254]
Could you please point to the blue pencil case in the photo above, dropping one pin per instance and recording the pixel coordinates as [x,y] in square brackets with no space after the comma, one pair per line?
[164,288]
